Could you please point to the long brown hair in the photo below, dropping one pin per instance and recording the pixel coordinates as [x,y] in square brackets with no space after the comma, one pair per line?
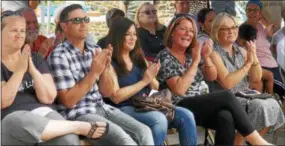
[116,38]
[168,33]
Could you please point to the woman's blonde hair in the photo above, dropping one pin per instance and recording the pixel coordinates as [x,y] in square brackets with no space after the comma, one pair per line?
[217,22]
[170,29]
[137,22]
[4,21]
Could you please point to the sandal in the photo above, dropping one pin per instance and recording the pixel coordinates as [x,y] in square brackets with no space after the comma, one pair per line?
[94,127]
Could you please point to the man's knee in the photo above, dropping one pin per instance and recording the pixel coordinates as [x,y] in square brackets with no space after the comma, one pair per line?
[144,135]
[116,135]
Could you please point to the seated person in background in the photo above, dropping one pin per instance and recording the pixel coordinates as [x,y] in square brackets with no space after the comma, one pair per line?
[135,77]
[59,35]
[205,18]
[38,43]
[281,54]
[82,73]
[150,31]
[180,73]
[28,91]
[278,36]
[267,61]
[112,15]
[236,67]
[16,5]
[281,59]
[130,7]
[248,33]
[182,7]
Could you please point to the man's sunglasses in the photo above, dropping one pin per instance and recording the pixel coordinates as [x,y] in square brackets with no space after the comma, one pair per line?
[152,12]
[79,20]
[8,13]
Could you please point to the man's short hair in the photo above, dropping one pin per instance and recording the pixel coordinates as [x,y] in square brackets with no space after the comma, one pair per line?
[64,13]
[247,32]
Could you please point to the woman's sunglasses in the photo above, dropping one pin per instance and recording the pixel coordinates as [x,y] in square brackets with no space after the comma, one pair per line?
[79,20]
[150,12]
[8,13]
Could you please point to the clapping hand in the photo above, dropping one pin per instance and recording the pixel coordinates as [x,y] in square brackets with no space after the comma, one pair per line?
[207,48]
[151,72]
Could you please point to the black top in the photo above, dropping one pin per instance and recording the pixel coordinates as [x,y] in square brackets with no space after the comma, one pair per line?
[151,44]
[26,97]
[134,76]
[102,42]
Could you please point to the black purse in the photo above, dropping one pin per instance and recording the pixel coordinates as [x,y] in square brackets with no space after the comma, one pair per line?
[253,94]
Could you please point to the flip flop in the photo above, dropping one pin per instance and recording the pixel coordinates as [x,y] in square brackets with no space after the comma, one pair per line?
[94,126]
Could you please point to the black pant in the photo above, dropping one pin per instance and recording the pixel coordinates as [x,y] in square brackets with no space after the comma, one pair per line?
[279,86]
[220,111]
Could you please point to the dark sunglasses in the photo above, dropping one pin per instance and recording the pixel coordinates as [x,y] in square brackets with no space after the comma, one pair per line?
[79,20]
[8,13]
[152,12]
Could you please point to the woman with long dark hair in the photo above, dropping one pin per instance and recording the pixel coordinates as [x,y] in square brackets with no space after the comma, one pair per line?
[135,77]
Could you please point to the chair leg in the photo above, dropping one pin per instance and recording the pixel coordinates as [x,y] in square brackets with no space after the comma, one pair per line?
[165,143]
[275,136]
[206,137]
[209,137]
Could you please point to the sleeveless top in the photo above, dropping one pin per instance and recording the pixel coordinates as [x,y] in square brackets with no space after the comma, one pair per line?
[232,63]
[130,78]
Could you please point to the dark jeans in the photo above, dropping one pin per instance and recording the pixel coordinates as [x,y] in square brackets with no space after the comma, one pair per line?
[220,111]
[279,86]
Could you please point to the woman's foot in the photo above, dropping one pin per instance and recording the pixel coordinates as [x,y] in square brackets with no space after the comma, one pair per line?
[92,130]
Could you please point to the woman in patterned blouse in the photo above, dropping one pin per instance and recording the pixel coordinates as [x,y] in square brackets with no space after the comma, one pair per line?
[238,67]
[180,73]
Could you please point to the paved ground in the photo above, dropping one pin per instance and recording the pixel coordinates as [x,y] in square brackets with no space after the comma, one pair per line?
[173,138]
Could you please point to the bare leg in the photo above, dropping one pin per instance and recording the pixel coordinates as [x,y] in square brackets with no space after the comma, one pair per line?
[263,131]
[256,86]
[238,139]
[269,80]
[255,139]
[57,128]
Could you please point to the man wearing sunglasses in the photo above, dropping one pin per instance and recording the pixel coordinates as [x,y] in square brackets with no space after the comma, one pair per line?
[38,43]
[83,75]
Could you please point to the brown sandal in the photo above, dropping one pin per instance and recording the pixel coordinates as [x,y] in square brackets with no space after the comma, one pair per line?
[94,126]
